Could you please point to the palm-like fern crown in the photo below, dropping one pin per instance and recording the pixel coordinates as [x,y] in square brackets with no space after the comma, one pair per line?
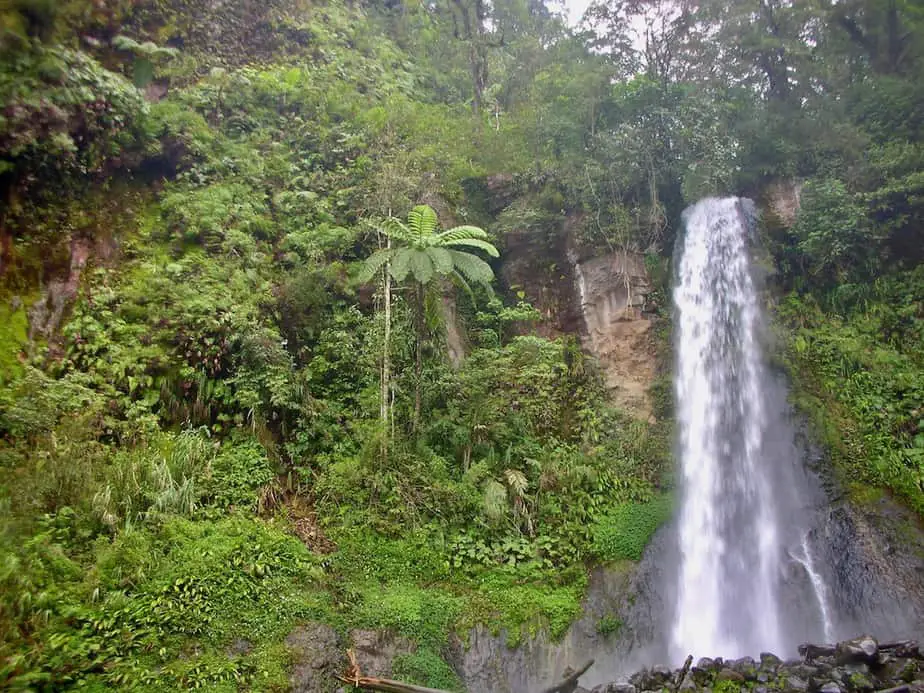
[422,251]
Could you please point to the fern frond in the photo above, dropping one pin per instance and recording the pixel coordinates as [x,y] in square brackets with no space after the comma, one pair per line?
[473,268]
[421,266]
[517,481]
[397,230]
[401,263]
[423,222]
[442,260]
[475,243]
[458,232]
[373,264]
[495,500]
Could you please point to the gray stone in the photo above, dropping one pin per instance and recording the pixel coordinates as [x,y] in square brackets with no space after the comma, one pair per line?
[746,666]
[688,684]
[794,684]
[652,679]
[830,687]
[615,688]
[317,657]
[763,677]
[376,650]
[862,649]
[240,647]
[769,661]
[728,674]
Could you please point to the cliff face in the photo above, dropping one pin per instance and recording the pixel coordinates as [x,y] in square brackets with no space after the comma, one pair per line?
[600,297]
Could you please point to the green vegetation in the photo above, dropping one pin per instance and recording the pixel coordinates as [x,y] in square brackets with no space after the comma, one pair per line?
[226,402]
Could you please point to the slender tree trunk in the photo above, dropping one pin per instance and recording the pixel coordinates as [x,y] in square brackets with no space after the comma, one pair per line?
[418,368]
[386,363]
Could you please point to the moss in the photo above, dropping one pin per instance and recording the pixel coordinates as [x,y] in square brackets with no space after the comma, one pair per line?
[624,533]
[14,336]
[426,668]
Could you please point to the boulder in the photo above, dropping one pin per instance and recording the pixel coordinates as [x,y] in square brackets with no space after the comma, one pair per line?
[704,671]
[652,679]
[830,687]
[746,666]
[317,656]
[376,650]
[769,661]
[794,684]
[863,649]
[614,688]
[729,674]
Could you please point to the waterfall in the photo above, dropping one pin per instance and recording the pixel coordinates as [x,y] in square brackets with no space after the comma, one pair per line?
[818,585]
[729,527]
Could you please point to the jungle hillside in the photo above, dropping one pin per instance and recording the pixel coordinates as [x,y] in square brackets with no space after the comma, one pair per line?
[287,326]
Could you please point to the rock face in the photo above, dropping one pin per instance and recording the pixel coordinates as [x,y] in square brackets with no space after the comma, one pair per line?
[612,291]
[601,297]
[860,665]
[317,654]
[632,594]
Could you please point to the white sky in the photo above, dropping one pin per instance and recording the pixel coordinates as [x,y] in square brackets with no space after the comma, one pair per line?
[575,10]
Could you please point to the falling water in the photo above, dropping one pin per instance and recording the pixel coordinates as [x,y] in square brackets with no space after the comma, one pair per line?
[806,560]
[729,530]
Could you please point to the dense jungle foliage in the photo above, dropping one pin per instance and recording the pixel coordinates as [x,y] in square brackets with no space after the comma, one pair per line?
[220,418]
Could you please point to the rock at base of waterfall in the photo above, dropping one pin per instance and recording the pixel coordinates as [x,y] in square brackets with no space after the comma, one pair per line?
[746,666]
[769,661]
[652,679]
[795,685]
[614,688]
[830,687]
[863,649]
[728,674]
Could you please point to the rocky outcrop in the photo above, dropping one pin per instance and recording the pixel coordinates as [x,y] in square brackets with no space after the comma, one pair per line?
[861,665]
[602,297]
[612,291]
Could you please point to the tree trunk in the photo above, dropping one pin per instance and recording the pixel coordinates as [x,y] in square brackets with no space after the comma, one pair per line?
[386,364]
[418,366]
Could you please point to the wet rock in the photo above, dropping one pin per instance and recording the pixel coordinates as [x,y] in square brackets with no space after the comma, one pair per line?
[809,652]
[704,671]
[794,684]
[857,681]
[746,666]
[240,647]
[804,671]
[652,679]
[769,661]
[904,648]
[687,684]
[763,677]
[830,687]
[729,674]
[317,657]
[376,650]
[862,649]
[615,688]
[761,689]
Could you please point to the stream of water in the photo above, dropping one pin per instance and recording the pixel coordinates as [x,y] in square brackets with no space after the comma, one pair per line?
[731,534]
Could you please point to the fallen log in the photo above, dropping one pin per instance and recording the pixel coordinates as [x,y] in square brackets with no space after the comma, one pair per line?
[355,678]
[570,681]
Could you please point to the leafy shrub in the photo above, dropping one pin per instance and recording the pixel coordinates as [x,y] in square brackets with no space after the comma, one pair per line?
[237,474]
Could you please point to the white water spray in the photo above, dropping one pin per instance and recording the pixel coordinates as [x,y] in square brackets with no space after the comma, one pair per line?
[818,585]
[727,601]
